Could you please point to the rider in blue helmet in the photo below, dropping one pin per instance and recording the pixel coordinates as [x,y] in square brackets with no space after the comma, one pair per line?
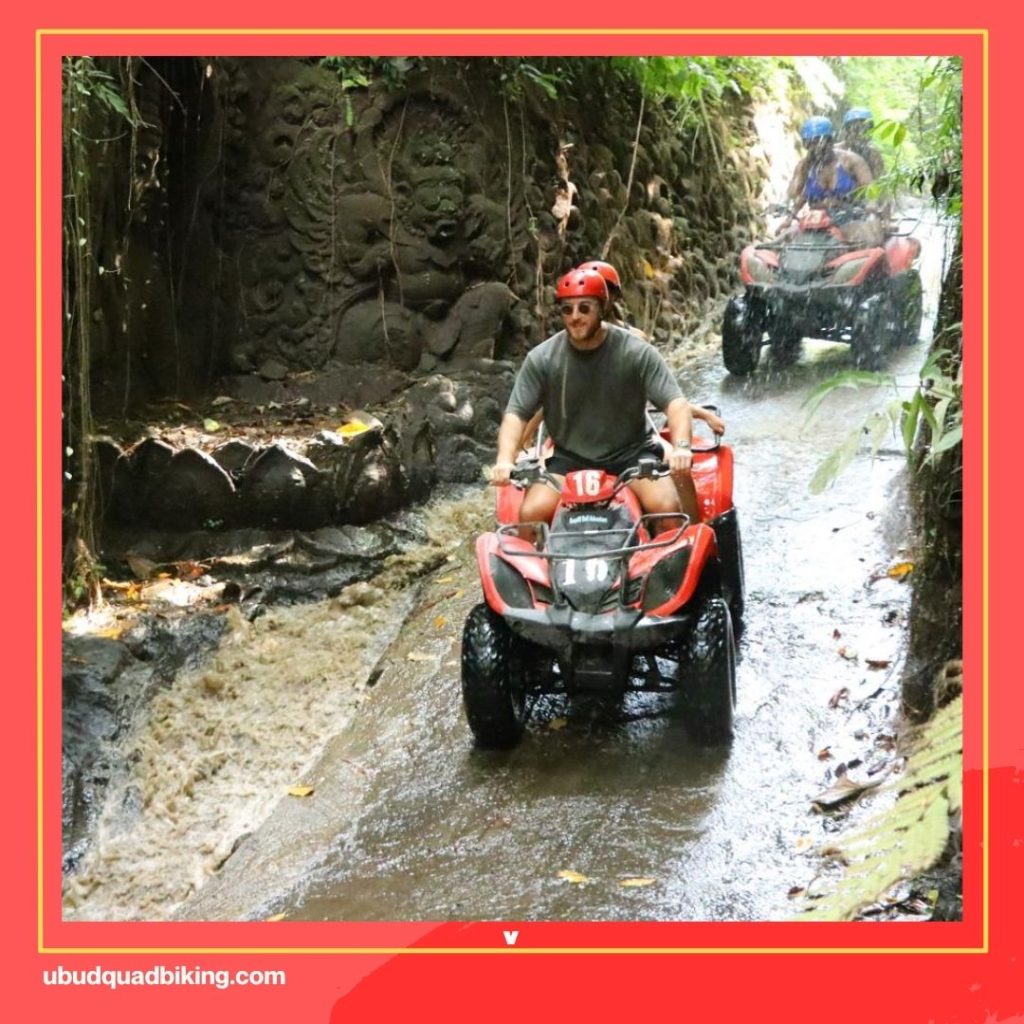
[856,128]
[829,177]
[816,128]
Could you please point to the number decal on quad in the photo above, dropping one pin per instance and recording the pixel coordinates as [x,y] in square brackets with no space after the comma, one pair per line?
[595,570]
[592,482]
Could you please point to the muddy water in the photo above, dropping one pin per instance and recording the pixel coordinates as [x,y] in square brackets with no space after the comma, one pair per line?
[216,751]
[443,831]
[408,821]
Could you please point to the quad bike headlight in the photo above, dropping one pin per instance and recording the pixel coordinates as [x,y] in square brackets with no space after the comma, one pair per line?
[759,270]
[848,271]
[666,578]
[514,590]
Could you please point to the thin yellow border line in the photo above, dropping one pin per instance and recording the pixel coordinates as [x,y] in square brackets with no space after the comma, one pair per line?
[39,490]
[294,950]
[984,495]
[518,31]
[507,951]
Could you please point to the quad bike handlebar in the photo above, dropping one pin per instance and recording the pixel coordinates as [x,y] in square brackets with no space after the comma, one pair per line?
[532,471]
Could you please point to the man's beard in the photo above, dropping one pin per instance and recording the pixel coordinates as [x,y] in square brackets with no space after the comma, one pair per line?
[588,336]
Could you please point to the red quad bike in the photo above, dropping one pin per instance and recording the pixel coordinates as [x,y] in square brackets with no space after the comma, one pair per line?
[816,284]
[605,602]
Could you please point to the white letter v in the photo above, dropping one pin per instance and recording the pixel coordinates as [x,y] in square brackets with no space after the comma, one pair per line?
[510,938]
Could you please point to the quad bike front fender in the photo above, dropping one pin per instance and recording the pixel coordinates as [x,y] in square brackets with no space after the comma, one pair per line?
[506,579]
[681,567]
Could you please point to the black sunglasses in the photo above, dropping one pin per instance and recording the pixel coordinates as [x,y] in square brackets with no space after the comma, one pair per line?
[584,308]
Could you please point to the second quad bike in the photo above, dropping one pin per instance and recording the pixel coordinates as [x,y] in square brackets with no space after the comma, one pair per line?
[817,284]
[606,599]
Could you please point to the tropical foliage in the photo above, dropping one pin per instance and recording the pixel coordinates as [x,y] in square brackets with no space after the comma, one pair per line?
[929,421]
[899,843]
[96,107]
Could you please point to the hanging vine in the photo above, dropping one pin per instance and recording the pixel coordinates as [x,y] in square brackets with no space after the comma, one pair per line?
[95,114]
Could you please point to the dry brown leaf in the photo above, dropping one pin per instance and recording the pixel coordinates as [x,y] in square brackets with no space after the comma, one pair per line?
[877,662]
[440,622]
[352,428]
[900,571]
[276,917]
[445,579]
[573,876]
[117,584]
[301,791]
[825,754]
[636,883]
[558,723]
[837,697]
[459,593]
[111,633]
[844,789]
[190,570]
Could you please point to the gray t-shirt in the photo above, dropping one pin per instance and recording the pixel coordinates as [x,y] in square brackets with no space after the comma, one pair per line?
[594,402]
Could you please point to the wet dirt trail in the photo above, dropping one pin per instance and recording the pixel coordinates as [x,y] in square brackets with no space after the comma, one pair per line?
[596,815]
[410,822]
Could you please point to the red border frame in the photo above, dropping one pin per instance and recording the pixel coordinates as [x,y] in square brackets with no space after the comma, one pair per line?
[974,977]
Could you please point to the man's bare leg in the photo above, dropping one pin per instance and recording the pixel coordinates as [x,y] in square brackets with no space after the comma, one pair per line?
[661,497]
[539,505]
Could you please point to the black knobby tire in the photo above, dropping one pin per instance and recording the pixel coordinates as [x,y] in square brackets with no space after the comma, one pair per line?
[493,685]
[741,338]
[909,307]
[882,329]
[708,675]
[873,334]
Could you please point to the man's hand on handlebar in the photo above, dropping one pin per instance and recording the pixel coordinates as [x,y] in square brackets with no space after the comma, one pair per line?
[679,461]
[501,474]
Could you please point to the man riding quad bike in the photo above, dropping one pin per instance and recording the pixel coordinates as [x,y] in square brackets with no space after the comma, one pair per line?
[607,599]
[833,273]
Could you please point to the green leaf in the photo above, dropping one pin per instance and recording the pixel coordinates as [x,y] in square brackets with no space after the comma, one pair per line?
[835,463]
[949,440]
[845,379]
[878,426]
[911,419]
[929,415]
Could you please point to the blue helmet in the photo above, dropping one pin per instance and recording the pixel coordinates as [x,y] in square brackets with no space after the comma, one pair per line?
[857,114]
[816,128]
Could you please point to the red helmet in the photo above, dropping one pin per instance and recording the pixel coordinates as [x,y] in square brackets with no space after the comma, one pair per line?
[606,270]
[581,284]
